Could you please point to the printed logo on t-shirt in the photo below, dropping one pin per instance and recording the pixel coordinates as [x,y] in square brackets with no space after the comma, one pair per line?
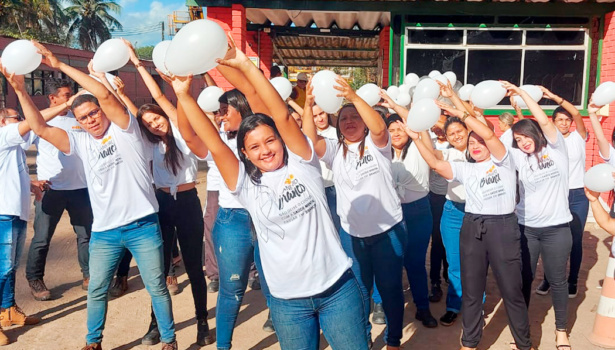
[76,128]
[544,170]
[362,167]
[104,158]
[487,188]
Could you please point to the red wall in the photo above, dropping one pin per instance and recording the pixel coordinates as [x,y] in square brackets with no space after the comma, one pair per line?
[383,51]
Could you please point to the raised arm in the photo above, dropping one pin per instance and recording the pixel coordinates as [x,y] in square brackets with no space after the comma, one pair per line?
[603,219]
[289,130]
[442,167]
[196,145]
[516,107]
[309,126]
[122,95]
[574,112]
[377,127]
[151,84]
[34,120]
[113,108]
[390,103]
[548,128]
[225,159]
[603,144]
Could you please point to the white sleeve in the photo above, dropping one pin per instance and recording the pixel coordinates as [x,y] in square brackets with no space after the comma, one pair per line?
[10,137]
[386,150]
[329,156]
[459,171]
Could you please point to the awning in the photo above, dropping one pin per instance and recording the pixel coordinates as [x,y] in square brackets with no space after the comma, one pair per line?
[365,20]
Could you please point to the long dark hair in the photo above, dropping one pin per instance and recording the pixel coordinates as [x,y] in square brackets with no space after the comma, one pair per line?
[248,124]
[238,101]
[173,155]
[530,128]
[404,150]
[340,137]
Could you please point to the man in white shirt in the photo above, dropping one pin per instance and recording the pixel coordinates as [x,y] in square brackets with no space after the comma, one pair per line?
[116,163]
[67,190]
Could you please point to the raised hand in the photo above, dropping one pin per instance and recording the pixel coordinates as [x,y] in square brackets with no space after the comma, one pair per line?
[413,134]
[446,90]
[547,93]
[48,57]
[592,196]
[119,83]
[514,104]
[512,88]
[309,95]
[345,90]
[131,51]
[449,110]
[234,57]
[16,81]
[181,85]
[99,75]
[592,108]
[388,101]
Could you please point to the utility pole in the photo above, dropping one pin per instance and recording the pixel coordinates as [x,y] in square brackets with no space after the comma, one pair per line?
[162,30]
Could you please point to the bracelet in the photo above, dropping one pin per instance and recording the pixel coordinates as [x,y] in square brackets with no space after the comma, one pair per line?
[562,101]
[138,65]
[465,115]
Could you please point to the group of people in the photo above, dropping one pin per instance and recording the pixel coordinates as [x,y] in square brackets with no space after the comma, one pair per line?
[329,216]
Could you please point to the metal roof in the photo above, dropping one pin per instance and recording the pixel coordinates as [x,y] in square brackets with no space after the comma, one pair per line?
[367,20]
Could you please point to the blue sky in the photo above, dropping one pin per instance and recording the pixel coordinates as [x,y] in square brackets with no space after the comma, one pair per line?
[138,14]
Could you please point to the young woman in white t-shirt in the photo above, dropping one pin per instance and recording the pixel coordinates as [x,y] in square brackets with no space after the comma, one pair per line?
[489,233]
[541,159]
[373,232]
[563,117]
[278,180]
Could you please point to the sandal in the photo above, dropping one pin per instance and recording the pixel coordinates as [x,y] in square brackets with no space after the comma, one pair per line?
[562,346]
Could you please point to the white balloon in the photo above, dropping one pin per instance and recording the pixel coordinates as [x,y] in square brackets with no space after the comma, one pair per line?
[457,86]
[208,99]
[159,53]
[423,115]
[370,93]
[487,94]
[110,79]
[325,95]
[111,55]
[404,88]
[411,79]
[282,86]
[532,90]
[426,88]
[403,99]
[195,48]
[600,178]
[393,91]
[604,94]
[441,78]
[451,76]
[465,91]
[433,74]
[21,57]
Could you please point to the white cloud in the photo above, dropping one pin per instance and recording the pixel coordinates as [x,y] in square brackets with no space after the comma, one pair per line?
[157,13]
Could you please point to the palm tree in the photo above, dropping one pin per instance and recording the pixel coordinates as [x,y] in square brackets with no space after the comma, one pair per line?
[90,21]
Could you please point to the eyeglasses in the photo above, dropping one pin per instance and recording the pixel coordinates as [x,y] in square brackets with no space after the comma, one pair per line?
[93,114]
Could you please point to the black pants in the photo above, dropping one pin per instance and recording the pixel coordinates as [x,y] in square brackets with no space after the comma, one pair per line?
[437,257]
[47,215]
[553,244]
[492,240]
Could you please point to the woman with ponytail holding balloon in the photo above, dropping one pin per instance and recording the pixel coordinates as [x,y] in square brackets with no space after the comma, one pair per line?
[489,231]
[278,180]
[563,117]
[373,232]
[541,159]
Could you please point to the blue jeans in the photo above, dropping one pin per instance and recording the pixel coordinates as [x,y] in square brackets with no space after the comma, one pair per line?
[380,257]
[143,239]
[332,202]
[579,207]
[12,239]
[338,311]
[450,226]
[236,248]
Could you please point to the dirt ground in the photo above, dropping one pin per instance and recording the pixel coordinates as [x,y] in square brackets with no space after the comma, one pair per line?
[63,324]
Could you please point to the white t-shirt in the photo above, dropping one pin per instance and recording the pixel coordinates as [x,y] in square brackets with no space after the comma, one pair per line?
[214,179]
[64,172]
[327,173]
[611,159]
[507,138]
[188,164]
[455,192]
[438,184]
[14,173]
[300,248]
[225,198]
[117,172]
[491,186]
[411,175]
[367,203]
[576,159]
[543,185]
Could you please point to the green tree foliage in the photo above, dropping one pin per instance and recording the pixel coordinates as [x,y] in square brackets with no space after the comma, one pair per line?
[145,52]
[91,20]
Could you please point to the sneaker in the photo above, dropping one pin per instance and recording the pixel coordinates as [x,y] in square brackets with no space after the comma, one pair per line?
[213,286]
[436,293]
[152,337]
[426,318]
[14,316]
[120,286]
[268,326]
[85,284]
[172,285]
[448,319]
[254,283]
[39,290]
[203,337]
[378,314]
[572,291]
[169,346]
[93,346]
[543,288]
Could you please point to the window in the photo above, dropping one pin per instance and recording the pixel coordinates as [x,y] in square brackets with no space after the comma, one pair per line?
[554,58]
[36,82]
